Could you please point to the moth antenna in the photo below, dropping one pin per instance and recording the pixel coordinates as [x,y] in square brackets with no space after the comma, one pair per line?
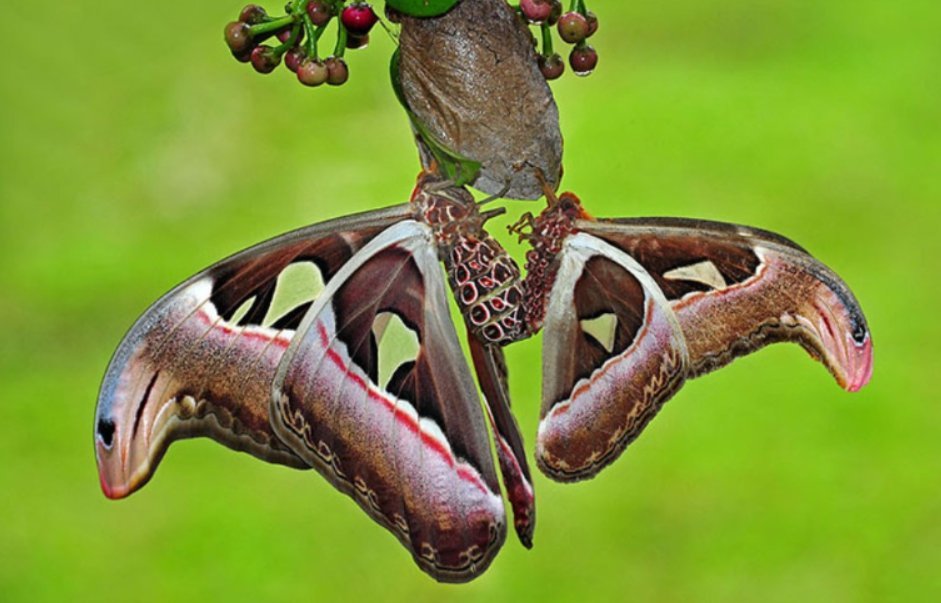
[547,189]
[491,198]
[527,220]
[490,214]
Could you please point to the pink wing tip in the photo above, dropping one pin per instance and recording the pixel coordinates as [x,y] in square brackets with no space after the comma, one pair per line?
[861,366]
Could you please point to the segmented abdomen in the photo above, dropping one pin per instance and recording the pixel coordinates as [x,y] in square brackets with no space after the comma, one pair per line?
[486,283]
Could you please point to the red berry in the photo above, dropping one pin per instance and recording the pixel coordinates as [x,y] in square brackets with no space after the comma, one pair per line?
[293,58]
[285,34]
[592,23]
[337,71]
[552,66]
[243,57]
[536,11]
[253,15]
[319,12]
[583,59]
[357,42]
[358,18]
[573,27]
[265,59]
[238,36]
[312,73]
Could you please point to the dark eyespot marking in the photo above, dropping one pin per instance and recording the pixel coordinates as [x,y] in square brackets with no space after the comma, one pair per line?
[106,432]
[143,402]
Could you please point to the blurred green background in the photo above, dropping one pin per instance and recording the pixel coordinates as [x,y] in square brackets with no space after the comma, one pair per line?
[135,152]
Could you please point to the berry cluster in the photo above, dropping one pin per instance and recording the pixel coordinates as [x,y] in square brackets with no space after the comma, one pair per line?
[574,27]
[299,32]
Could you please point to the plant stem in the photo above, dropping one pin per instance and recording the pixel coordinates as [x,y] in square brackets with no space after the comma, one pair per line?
[340,48]
[547,49]
[272,26]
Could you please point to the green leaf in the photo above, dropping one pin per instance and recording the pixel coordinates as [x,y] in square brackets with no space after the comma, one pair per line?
[422,8]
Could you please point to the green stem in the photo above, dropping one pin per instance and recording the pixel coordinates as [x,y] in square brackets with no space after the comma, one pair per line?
[547,50]
[582,8]
[272,26]
[340,48]
[313,36]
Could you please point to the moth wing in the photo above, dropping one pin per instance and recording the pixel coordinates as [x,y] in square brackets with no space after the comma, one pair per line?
[736,289]
[200,361]
[414,453]
[613,353]
[490,366]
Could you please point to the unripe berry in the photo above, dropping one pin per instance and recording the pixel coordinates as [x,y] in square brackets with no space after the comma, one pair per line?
[238,36]
[583,59]
[253,15]
[573,27]
[265,59]
[552,66]
[536,11]
[337,71]
[312,73]
[358,18]
[293,58]
[319,12]
[357,42]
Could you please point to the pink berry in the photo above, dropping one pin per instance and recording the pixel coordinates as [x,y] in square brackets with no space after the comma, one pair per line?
[552,66]
[253,15]
[238,36]
[583,59]
[312,73]
[319,12]
[337,71]
[293,58]
[592,23]
[265,59]
[358,18]
[573,27]
[536,11]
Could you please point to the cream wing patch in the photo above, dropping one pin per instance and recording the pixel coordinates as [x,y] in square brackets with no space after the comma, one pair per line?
[704,272]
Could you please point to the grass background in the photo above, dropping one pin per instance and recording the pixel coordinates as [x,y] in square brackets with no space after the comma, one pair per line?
[135,152]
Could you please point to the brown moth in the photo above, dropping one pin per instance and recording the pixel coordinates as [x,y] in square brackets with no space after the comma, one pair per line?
[245,353]
[632,308]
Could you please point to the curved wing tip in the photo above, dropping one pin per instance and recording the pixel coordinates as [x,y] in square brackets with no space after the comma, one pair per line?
[525,530]
[861,370]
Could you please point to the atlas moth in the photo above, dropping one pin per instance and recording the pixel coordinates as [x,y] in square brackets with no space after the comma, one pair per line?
[245,353]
